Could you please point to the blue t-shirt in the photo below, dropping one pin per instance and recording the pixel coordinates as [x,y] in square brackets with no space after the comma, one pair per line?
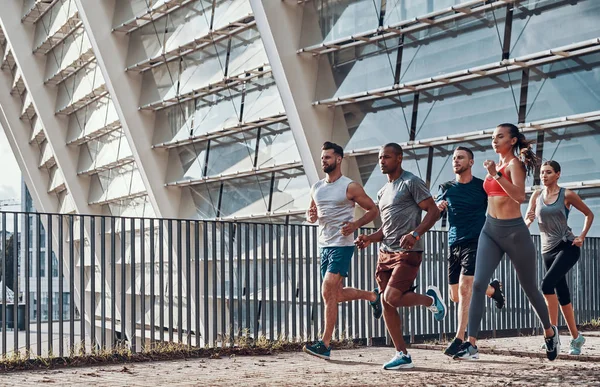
[467,205]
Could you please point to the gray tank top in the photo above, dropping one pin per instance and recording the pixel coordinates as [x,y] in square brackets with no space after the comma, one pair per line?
[552,219]
[334,209]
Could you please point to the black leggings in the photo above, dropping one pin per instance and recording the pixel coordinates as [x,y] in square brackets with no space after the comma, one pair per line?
[558,262]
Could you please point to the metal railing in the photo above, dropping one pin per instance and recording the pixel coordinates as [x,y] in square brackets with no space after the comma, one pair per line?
[209,283]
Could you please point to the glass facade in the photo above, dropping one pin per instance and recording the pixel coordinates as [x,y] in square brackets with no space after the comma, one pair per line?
[440,56]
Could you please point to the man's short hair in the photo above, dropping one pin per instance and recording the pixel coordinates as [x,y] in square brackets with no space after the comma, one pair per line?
[464,148]
[396,147]
[336,148]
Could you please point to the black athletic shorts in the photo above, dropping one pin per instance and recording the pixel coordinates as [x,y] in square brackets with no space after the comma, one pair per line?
[461,259]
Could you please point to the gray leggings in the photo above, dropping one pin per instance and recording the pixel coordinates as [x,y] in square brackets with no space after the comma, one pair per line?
[510,236]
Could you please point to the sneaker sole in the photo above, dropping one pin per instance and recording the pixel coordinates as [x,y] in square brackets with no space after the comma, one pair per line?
[439,296]
[324,357]
[470,357]
[399,367]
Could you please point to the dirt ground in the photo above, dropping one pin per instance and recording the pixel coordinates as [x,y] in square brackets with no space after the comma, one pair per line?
[356,367]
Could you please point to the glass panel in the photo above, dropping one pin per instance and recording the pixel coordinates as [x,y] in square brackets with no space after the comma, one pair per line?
[242,198]
[230,11]
[401,10]
[576,149]
[358,69]
[206,198]
[540,25]
[277,146]
[291,192]
[338,19]
[183,25]
[232,154]
[215,112]
[375,123]
[247,52]
[456,45]
[262,100]
[475,105]
[202,68]
[563,88]
[192,158]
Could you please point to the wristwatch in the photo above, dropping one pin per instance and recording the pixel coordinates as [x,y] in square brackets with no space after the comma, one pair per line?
[415,235]
[498,175]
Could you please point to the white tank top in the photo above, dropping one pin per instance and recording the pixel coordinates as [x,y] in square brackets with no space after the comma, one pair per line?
[334,209]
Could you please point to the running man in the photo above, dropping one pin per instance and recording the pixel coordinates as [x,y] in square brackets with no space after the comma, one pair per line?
[560,247]
[332,204]
[465,201]
[401,202]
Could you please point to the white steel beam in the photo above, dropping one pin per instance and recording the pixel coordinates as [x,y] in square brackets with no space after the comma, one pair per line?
[125,89]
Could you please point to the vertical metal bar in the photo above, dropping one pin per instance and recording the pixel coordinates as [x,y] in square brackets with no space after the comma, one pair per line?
[254,290]
[71,284]
[27,276]
[113,281]
[161,279]
[315,282]
[60,285]
[123,282]
[4,284]
[179,284]
[38,284]
[271,285]
[279,277]
[306,286]
[299,287]
[170,271]
[197,279]
[222,278]
[294,286]
[102,282]
[231,283]
[142,284]
[240,279]
[82,281]
[205,281]
[132,284]
[188,285]
[214,268]
[49,257]
[15,259]
[247,275]
[152,290]
[93,282]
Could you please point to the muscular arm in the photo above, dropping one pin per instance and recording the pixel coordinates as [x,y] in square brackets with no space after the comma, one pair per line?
[432,216]
[516,188]
[311,213]
[573,199]
[357,194]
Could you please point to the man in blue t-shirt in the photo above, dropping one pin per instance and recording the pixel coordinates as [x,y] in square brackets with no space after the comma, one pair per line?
[464,201]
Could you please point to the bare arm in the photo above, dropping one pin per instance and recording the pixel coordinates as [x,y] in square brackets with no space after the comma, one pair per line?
[364,240]
[357,194]
[433,214]
[530,216]
[573,199]
[516,188]
[312,214]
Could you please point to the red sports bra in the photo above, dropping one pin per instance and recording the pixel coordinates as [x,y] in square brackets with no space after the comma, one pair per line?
[492,187]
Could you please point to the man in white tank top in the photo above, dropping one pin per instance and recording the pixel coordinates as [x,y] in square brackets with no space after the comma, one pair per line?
[332,205]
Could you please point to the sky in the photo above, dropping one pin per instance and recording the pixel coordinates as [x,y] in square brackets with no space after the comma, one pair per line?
[10,180]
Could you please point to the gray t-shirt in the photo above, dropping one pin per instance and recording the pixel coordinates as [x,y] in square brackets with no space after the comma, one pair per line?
[398,203]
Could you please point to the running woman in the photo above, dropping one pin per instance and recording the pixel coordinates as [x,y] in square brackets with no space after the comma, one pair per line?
[332,204]
[465,202]
[560,247]
[505,231]
[401,202]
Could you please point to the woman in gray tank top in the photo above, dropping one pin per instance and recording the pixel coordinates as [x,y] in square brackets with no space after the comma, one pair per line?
[560,247]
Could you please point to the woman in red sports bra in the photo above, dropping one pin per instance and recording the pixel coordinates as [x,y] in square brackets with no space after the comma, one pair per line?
[505,232]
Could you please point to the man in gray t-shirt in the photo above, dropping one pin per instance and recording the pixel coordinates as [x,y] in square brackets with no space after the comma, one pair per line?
[401,203]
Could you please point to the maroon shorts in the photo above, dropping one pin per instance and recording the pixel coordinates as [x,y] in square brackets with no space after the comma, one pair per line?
[398,269]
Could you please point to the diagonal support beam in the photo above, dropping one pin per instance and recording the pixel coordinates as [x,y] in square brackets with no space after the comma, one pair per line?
[125,89]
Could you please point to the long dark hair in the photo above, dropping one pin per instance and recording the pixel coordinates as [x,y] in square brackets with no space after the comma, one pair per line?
[525,151]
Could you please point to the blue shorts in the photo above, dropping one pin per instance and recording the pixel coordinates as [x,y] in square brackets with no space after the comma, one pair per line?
[336,260]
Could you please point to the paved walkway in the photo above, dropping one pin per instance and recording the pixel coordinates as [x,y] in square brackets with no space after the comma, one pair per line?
[348,367]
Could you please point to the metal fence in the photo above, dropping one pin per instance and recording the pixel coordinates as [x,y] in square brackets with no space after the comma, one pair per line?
[141,281]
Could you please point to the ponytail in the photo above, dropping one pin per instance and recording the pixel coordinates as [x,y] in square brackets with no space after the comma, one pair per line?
[525,151]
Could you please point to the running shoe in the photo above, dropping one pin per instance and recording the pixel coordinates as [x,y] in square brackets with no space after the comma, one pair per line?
[376,305]
[552,345]
[318,349]
[576,345]
[453,348]
[400,360]
[498,295]
[438,307]
[467,351]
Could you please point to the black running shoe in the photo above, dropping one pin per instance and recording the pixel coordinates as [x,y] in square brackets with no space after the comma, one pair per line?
[553,345]
[498,295]
[376,305]
[453,348]
[467,351]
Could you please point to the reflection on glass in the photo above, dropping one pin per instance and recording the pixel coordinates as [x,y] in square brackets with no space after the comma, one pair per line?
[291,192]
[206,199]
[564,88]
[476,105]
[397,11]
[542,25]
[262,100]
[232,154]
[243,198]
[277,146]
[374,123]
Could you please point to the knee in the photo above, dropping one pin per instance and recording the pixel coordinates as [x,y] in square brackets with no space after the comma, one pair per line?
[563,295]
[479,286]
[465,289]
[392,299]
[547,286]
[329,292]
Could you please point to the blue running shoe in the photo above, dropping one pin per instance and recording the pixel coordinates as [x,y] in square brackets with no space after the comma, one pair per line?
[318,349]
[467,351]
[438,307]
[576,345]
[376,305]
[400,360]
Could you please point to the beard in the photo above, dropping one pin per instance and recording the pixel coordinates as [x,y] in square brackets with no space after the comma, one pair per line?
[460,170]
[328,168]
